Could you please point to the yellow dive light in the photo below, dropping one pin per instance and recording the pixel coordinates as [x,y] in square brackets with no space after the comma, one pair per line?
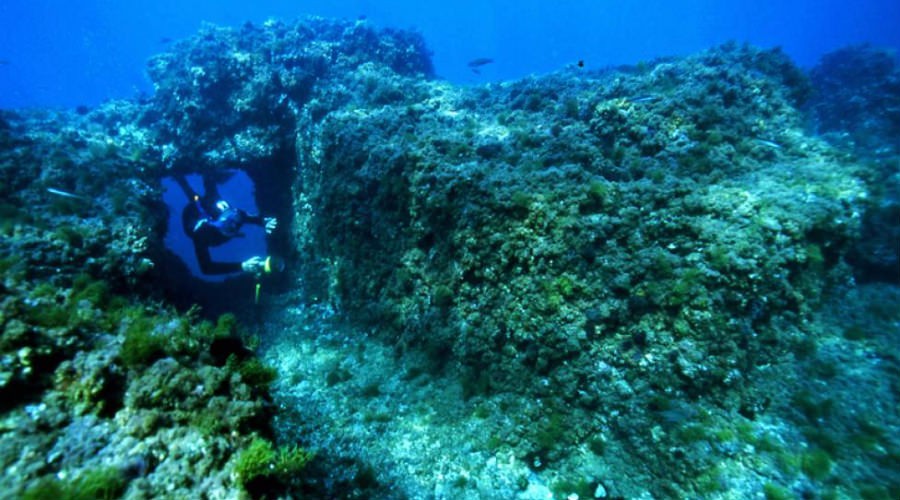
[270,265]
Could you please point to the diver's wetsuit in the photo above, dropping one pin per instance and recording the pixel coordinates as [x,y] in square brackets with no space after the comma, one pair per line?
[208,225]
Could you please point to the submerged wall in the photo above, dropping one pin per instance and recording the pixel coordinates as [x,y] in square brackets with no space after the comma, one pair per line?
[656,220]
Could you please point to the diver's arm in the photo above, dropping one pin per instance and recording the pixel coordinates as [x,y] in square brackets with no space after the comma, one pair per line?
[207,266]
[251,219]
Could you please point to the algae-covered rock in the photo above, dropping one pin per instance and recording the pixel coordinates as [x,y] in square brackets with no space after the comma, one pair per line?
[233,96]
[857,99]
[79,404]
[665,221]
[589,233]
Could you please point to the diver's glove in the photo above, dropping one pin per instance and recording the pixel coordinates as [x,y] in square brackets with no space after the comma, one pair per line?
[271,224]
[255,265]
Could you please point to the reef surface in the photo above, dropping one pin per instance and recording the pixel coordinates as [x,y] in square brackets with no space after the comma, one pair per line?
[679,279]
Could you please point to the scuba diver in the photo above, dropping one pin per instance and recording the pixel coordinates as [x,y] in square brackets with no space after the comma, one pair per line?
[210,221]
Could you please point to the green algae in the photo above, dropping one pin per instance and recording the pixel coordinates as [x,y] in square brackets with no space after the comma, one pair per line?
[60,357]
[597,445]
[552,433]
[773,491]
[812,407]
[710,481]
[582,488]
[226,326]
[855,333]
[142,343]
[260,464]
[816,464]
[256,374]
[371,390]
[338,375]
[443,296]
[103,483]
[44,488]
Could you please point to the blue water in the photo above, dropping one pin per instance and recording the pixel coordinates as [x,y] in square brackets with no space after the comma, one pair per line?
[65,53]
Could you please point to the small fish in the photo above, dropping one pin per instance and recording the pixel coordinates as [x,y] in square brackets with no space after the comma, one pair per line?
[4,62]
[581,63]
[643,98]
[165,40]
[65,194]
[766,142]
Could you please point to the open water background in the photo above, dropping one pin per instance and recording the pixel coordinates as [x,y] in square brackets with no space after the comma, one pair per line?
[64,53]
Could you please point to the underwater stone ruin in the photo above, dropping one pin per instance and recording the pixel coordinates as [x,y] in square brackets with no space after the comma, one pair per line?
[653,281]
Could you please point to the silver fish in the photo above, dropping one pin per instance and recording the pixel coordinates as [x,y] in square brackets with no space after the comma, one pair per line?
[65,194]
[643,98]
[766,142]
